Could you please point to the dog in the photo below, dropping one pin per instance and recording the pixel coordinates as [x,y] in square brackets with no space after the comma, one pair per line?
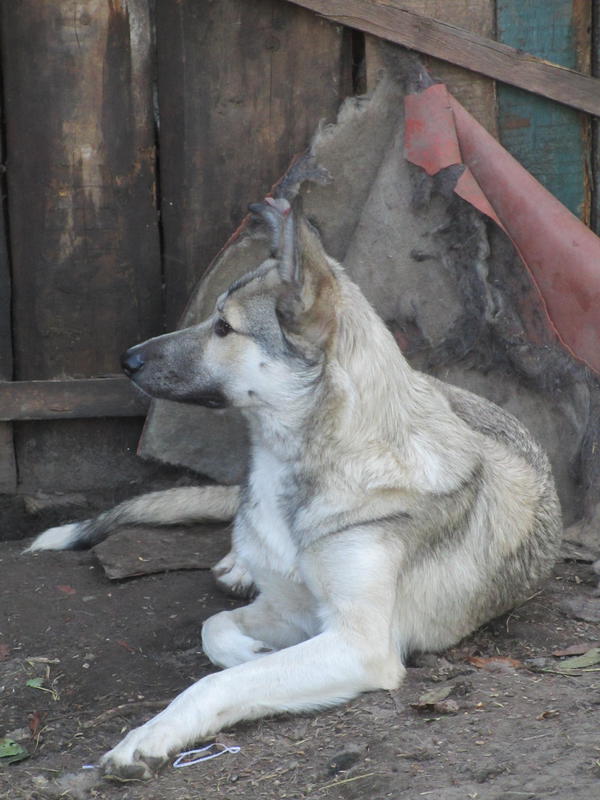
[384,511]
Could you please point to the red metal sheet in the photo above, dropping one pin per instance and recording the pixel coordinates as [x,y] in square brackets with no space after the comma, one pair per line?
[560,252]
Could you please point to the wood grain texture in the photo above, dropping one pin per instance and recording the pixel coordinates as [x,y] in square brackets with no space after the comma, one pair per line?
[388,20]
[241,87]
[83,222]
[79,129]
[549,139]
[8,467]
[73,399]
[476,92]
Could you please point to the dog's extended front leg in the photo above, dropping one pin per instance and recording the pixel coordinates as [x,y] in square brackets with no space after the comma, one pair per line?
[322,671]
[356,652]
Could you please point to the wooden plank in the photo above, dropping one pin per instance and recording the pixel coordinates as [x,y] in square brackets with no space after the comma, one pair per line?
[241,88]
[84,235]
[83,220]
[72,399]
[474,91]
[389,20]
[8,466]
[550,140]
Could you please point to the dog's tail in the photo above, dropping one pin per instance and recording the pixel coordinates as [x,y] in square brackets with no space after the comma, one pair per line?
[183,506]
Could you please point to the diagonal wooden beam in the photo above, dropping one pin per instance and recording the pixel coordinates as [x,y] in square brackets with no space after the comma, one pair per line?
[389,20]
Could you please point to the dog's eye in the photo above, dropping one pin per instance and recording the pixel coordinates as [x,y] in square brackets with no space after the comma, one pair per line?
[222,328]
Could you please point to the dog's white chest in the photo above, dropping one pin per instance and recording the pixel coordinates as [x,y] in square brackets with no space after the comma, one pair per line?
[273,545]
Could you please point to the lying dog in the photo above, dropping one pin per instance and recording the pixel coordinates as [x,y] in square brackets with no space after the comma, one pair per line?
[384,511]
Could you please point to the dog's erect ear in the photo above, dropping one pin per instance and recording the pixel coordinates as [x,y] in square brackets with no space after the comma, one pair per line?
[305,304]
[281,223]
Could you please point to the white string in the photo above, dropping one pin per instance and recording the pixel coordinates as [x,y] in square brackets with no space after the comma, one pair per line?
[182,758]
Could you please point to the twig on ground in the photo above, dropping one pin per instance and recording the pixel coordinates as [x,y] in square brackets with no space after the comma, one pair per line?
[124,708]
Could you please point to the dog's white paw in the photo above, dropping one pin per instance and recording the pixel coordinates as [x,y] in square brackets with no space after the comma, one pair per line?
[60,538]
[243,649]
[226,645]
[232,577]
[140,754]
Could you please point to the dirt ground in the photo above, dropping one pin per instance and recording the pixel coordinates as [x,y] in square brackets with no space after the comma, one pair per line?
[503,730]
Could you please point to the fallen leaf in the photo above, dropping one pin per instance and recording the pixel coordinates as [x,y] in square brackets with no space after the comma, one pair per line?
[588,659]
[11,752]
[434,696]
[35,723]
[495,663]
[576,649]
[4,651]
[66,589]
[436,701]
[126,645]
[35,683]
[549,713]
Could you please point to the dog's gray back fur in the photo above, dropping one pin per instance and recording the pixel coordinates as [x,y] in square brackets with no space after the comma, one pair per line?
[384,511]
[345,437]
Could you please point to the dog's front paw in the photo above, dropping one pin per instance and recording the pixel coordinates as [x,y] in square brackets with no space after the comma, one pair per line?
[139,756]
[233,577]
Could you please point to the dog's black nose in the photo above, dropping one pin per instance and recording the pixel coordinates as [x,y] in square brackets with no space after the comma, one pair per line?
[131,363]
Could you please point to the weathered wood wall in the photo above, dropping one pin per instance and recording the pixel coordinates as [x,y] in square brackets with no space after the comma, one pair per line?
[8,467]
[241,87]
[86,269]
[134,134]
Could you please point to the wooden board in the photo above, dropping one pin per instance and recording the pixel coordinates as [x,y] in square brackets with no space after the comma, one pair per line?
[82,211]
[389,20]
[142,551]
[549,139]
[8,467]
[242,86]
[84,237]
[74,399]
[476,92]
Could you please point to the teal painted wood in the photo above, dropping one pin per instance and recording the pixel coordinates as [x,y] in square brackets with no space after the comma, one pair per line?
[549,139]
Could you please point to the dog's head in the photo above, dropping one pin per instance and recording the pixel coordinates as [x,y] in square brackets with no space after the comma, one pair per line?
[268,335]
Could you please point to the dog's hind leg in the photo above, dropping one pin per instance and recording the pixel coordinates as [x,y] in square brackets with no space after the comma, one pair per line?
[182,506]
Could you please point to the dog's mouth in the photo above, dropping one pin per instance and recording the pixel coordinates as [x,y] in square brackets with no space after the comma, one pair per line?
[209,400]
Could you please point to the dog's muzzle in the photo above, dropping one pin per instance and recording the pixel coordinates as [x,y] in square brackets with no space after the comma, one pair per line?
[131,362]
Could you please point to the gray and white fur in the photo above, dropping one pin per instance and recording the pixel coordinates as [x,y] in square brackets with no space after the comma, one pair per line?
[384,511]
